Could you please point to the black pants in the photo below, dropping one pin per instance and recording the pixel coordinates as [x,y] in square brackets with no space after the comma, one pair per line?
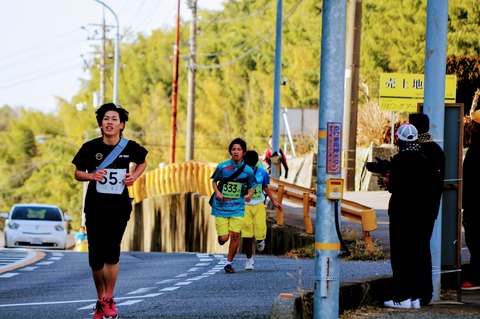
[410,256]
[104,239]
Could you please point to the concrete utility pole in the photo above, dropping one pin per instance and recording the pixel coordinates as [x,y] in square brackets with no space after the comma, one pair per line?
[275,168]
[434,107]
[176,54]
[103,63]
[352,67]
[116,54]
[102,66]
[332,84]
[192,62]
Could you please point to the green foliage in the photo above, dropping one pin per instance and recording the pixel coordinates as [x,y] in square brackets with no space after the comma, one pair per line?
[463,28]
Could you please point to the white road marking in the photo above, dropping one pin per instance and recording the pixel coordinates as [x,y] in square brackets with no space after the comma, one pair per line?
[8,274]
[202,264]
[28,268]
[183,283]
[128,303]
[75,301]
[181,275]
[166,281]
[89,307]
[22,256]
[44,263]
[193,269]
[141,291]
[196,278]
[169,289]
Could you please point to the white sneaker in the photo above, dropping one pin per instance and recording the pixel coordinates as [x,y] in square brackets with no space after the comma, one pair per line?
[416,303]
[249,264]
[261,245]
[406,304]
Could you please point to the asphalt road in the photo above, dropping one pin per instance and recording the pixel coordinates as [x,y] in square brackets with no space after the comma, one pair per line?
[163,285]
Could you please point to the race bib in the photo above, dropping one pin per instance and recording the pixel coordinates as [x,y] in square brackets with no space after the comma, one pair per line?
[258,193]
[112,183]
[232,190]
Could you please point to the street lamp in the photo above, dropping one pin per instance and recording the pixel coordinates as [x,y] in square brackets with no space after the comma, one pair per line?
[116,57]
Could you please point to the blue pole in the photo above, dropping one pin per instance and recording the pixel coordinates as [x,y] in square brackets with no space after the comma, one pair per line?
[275,169]
[332,79]
[434,107]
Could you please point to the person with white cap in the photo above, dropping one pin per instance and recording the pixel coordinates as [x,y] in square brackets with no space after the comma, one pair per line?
[471,213]
[435,154]
[410,181]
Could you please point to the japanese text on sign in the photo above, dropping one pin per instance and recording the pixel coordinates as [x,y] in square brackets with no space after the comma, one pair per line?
[402,92]
[334,148]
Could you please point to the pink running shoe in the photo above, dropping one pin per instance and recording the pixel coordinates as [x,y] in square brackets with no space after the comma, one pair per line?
[98,310]
[110,310]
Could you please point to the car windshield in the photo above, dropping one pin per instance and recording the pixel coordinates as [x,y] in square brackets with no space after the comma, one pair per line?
[36,213]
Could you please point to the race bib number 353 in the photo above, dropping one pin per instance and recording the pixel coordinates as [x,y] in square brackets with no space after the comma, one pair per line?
[112,183]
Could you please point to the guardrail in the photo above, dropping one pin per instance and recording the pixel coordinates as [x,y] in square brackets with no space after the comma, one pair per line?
[195,176]
[307,197]
[185,177]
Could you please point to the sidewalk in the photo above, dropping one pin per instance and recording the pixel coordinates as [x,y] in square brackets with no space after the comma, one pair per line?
[365,297]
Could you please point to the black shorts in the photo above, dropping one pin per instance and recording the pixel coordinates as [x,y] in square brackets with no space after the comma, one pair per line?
[104,239]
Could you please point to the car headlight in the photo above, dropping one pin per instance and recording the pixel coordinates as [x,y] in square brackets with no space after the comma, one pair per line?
[59,227]
[13,225]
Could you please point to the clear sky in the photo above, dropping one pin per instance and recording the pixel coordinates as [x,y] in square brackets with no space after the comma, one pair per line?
[45,42]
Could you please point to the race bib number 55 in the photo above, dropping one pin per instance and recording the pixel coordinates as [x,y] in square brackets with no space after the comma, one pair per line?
[112,183]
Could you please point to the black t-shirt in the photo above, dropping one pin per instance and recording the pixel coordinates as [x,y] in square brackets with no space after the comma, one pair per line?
[111,195]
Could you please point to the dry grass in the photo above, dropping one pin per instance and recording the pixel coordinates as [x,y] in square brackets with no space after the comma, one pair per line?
[305,144]
[353,239]
[374,125]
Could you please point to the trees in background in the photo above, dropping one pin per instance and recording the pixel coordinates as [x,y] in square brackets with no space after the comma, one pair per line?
[234,86]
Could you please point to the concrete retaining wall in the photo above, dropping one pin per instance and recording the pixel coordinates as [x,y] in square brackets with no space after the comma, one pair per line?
[182,223]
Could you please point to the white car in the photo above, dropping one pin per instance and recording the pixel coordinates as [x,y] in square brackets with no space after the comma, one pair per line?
[36,226]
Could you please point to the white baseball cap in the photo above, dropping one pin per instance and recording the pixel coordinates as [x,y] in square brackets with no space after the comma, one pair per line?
[407,133]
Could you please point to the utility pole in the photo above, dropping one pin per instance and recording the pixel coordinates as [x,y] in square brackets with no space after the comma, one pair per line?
[352,67]
[434,107]
[275,168]
[176,53]
[116,68]
[192,62]
[103,63]
[102,66]
[329,163]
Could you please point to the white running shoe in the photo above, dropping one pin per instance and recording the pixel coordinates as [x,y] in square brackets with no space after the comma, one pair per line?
[261,245]
[406,304]
[416,303]
[249,264]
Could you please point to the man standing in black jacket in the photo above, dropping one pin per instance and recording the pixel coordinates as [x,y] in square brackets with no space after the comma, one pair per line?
[411,181]
[436,156]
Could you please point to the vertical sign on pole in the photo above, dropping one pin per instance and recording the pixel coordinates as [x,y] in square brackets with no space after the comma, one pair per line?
[334,147]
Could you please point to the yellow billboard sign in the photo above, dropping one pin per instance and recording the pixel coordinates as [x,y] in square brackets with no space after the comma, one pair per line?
[402,92]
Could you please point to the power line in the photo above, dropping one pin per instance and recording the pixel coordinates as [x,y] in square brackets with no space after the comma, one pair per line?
[217,66]
[248,16]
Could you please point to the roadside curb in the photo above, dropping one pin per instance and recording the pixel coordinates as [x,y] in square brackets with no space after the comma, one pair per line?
[353,295]
[32,257]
